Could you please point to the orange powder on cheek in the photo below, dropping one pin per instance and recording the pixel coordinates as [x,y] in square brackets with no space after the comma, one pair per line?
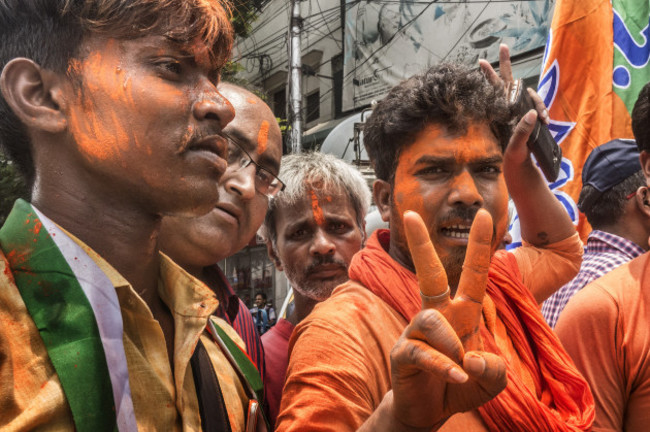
[262,137]
[316,209]
[406,191]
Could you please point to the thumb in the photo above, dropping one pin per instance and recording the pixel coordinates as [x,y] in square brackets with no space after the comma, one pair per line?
[487,369]
[517,151]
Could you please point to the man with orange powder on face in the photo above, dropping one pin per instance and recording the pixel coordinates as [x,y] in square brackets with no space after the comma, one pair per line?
[111,110]
[451,337]
[245,191]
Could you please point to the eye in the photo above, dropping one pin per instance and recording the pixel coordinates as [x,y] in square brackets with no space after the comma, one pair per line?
[432,170]
[265,178]
[170,67]
[298,234]
[234,155]
[339,227]
[489,169]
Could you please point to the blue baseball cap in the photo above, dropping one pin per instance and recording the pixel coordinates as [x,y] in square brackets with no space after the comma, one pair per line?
[608,165]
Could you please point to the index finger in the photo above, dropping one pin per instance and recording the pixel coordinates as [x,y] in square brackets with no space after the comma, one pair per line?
[432,277]
[473,279]
[505,66]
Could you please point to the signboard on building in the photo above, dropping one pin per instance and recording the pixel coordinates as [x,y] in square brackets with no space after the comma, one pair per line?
[388,41]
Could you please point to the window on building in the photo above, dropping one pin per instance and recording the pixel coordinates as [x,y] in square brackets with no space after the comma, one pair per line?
[337,74]
[280,103]
[313,107]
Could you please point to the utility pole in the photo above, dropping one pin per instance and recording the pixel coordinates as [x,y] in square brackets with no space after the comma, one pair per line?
[295,78]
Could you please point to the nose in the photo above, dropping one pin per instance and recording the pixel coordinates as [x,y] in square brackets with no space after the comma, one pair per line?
[321,244]
[212,105]
[464,191]
[241,182]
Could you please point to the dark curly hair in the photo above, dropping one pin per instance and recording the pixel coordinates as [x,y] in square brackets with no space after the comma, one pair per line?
[50,33]
[641,119]
[608,209]
[448,94]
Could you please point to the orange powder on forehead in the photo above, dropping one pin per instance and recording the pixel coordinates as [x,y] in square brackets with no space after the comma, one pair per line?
[262,137]
[316,209]
[251,101]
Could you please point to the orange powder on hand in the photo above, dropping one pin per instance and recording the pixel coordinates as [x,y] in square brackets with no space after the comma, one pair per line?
[262,137]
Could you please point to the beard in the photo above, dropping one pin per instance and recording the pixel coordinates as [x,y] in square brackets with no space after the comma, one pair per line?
[453,264]
[315,289]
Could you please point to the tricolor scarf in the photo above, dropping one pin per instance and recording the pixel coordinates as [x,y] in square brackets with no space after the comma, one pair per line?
[75,308]
[562,400]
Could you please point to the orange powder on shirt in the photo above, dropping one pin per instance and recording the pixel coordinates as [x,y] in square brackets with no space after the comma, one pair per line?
[262,137]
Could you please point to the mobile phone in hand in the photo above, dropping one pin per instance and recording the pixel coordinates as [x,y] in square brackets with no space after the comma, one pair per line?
[540,142]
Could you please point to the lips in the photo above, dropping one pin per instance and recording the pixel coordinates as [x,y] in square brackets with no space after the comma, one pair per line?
[324,271]
[214,148]
[214,144]
[231,211]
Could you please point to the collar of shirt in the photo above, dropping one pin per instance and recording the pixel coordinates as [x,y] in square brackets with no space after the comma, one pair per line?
[600,242]
[228,300]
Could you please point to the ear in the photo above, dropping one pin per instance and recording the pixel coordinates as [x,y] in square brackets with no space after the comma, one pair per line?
[34,94]
[381,193]
[642,199]
[274,257]
[644,158]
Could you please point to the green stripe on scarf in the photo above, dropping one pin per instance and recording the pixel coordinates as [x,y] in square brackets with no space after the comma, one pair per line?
[245,364]
[63,316]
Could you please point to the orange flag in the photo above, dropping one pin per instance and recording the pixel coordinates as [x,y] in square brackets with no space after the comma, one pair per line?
[595,64]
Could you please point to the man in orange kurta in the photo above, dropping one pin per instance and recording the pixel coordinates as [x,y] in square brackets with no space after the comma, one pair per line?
[368,358]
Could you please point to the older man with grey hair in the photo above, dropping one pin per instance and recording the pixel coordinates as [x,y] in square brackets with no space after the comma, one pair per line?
[312,229]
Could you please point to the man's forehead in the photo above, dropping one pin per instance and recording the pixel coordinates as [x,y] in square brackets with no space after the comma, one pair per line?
[255,127]
[330,202]
[436,141]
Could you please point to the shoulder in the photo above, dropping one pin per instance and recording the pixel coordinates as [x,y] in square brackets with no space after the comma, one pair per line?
[350,308]
[607,296]
[622,284]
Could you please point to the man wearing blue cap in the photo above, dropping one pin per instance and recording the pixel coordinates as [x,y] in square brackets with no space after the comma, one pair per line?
[611,177]
[604,328]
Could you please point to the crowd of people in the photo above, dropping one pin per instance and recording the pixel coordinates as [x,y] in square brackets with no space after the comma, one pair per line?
[145,171]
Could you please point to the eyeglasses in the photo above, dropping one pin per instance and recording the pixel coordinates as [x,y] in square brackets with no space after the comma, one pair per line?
[266,182]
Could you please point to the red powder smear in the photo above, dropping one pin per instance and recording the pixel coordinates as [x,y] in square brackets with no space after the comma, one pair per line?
[262,137]
[251,101]
[17,258]
[36,228]
[8,274]
[328,198]
[316,209]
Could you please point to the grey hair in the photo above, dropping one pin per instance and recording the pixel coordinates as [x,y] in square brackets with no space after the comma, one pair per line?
[320,171]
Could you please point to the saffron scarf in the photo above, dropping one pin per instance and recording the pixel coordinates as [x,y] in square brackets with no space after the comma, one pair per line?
[76,310]
[562,400]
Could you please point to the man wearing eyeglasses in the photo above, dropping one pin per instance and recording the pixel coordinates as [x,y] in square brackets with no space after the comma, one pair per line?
[250,181]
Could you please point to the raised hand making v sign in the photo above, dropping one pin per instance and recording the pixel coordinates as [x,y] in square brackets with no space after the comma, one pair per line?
[462,344]
[439,367]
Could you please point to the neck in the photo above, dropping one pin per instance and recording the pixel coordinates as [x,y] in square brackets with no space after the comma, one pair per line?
[303,307]
[631,229]
[125,237]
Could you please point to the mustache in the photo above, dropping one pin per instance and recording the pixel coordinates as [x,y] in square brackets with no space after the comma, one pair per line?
[462,213]
[192,135]
[325,259]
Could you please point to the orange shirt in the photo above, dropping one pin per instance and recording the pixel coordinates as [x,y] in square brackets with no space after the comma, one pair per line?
[605,328]
[339,367]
